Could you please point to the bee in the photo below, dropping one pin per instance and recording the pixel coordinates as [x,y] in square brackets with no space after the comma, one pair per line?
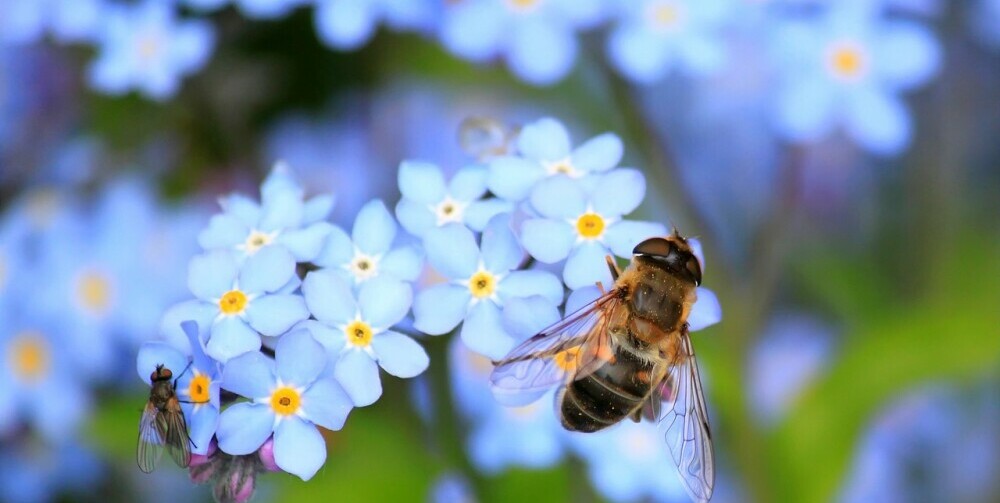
[162,424]
[627,354]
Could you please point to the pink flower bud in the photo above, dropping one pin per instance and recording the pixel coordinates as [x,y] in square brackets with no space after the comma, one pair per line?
[266,454]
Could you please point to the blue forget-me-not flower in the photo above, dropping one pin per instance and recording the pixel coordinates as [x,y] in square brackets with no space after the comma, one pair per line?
[289,398]
[145,47]
[582,220]
[27,21]
[544,150]
[655,36]
[368,252]
[481,280]
[282,218]
[357,331]
[348,24]
[846,67]
[428,201]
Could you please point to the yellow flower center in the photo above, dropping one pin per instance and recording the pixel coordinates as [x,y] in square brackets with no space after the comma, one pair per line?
[198,388]
[233,302]
[567,359]
[563,167]
[664,15]
[847,61]
[148,47]
[257,240]
[94,291]
[523,5]
[29,356]
[482,284]
[285,401]
[359,333]
[590,226]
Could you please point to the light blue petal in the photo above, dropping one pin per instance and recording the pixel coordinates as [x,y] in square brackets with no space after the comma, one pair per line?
[586,266]
[400,355]
[421,182]
[599,153]
[305,244]
[559,197]
[806,109]
[250,375]
[639,54]
[55,419]
[473,30]
[329,297]
[358,374]
[706,311]
[384,301]
[318,208]
[201,427]
[374,228]
[479,213]
[878,121]
[224,231]
[243,428]
[624,235]
[500,250]
[469,183]
[156,353]
[337,250]
[452,251]
[541,52]
[583,296]
[299,358]
[284,212]
[243,208]
[440,308]
[327,404]
[405,263]
[905,55]
[695,245]
[524,317]
[231,337]
[267,270]
[549,241]
[544,140]
[512,178]
[415,217]
[619,193]
[332,339]
[528,283]
[483,331]
[702,54]
[279,182]
[345,24]
[202,313]
[194,335]
[212,274]
[272,315]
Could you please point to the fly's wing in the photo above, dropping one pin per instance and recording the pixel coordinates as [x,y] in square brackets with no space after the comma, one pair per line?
[150,445]
[571,348]
[683,421]
[176,434]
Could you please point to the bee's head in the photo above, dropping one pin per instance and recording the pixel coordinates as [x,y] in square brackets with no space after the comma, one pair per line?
[672,252]
[161,374]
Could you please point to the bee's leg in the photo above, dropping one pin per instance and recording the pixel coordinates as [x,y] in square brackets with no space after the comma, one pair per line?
[614,267]
[182,373]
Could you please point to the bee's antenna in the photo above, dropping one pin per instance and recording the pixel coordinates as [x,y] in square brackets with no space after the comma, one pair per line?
[673,229]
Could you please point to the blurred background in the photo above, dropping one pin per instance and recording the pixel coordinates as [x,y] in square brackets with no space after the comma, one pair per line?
[838,160]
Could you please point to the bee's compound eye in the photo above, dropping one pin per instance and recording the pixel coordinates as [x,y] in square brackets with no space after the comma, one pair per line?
[657,247]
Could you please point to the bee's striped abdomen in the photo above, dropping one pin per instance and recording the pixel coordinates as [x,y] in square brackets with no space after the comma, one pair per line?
[606,396]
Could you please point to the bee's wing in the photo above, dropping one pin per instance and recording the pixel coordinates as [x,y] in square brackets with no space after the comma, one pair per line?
[531,369]
[150,445]
[177,440]
[683,421]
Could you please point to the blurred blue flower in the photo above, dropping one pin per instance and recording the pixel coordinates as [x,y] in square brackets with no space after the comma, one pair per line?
[357,331]
[451,488]
[528,436]
[544,150]
[481,281]
[238,303]
[582,220]
[282,218]
[984,18]
[655,36]
[368,252]
[145,47]
[34,472]
[348,24]
[287,398]
[268,9]
[429,202]
[846,67]
[627,462]
[536,37]
[26,21]
[197,383]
